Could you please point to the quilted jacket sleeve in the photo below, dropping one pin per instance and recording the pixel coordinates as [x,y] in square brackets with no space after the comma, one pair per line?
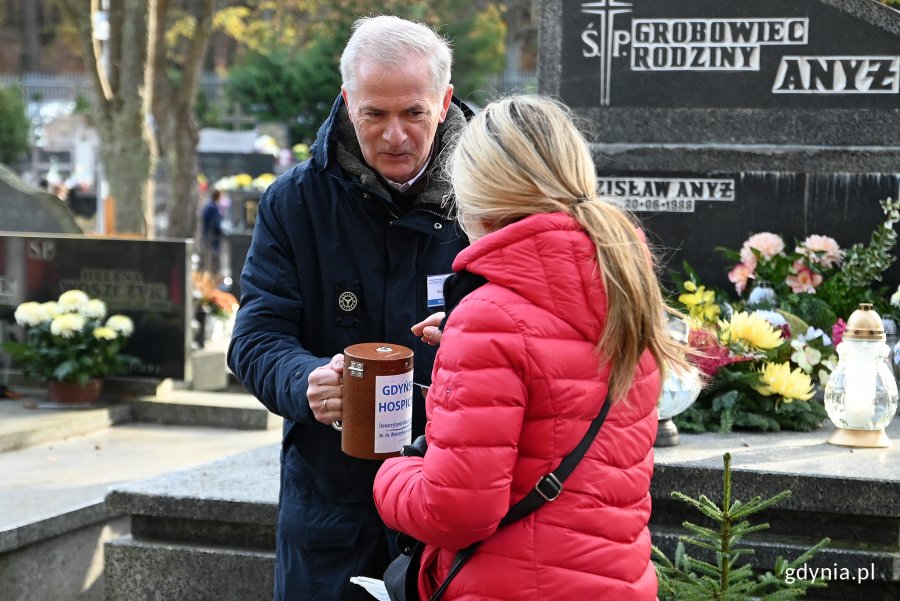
[458,493]
[265,353]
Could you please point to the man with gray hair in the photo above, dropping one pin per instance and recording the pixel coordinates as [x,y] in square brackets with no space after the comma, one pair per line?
[349,247]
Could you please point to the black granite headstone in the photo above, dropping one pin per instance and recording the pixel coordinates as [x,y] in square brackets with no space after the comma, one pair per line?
[716,120]
[147,280]
[24,208]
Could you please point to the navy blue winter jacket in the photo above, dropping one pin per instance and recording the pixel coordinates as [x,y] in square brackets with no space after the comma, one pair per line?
[322,231]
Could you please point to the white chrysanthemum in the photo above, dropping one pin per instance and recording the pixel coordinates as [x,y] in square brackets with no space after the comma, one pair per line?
[67,325]
[93,309]
[51,309]
[121,324]
[30,314]
[105,333]
[72,300]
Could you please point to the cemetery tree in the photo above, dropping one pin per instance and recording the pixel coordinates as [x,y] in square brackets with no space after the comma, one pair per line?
[289,68]
[117,69]
[14,126]
[179,36]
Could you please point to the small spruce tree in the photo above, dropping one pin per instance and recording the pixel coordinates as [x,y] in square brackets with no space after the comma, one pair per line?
[690,579]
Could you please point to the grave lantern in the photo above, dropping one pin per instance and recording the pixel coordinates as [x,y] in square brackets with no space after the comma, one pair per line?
[861,394]
[679,391]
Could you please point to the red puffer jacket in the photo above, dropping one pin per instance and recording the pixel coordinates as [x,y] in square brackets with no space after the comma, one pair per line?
[516,384]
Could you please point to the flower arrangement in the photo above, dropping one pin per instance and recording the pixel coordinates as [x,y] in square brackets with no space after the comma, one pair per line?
[71,339]
[763,257]
[761,366]
[244,181]
[764,359]
[210,298]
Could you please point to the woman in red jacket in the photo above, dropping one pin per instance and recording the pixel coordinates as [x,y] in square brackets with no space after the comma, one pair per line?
[571,311]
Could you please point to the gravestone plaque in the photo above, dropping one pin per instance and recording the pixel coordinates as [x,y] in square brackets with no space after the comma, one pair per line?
[147,280]
[24,208]
[716,120]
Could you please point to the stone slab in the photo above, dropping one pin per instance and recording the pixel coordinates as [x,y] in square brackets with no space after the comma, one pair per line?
[239,489]
[23,425]
[208,370]
[151,571]
[49,489]
[66,567]
[616,64]
[207,409]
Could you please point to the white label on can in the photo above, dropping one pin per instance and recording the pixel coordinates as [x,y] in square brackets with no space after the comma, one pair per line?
[393,412]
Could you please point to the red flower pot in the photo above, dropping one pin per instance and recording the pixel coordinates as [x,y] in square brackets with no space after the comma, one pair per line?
[73,392]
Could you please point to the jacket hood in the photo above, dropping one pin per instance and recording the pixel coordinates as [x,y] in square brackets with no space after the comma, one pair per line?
[336,144]
[550,261]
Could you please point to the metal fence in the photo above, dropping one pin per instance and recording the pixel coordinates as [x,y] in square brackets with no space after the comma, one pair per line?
[44,88]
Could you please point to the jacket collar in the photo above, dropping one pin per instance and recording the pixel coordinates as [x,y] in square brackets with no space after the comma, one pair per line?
[336,147]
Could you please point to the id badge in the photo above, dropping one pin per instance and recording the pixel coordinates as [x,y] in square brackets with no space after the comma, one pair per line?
[435,289]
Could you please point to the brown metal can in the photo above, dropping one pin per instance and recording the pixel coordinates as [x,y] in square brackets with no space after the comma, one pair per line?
[377,400]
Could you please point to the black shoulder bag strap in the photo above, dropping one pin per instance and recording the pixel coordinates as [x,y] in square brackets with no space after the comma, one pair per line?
[546,490]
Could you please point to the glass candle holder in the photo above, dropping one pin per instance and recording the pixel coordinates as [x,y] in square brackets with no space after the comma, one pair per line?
[861,394]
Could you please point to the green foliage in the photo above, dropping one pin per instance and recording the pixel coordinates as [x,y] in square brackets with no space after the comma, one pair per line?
[289,71]
[14,126]
[290,85]
[894,3]
[686,578]
[863,266]
[812,309]
[731,402]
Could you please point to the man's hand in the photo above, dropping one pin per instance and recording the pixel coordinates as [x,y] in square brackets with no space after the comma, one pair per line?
[428,329]
[325,393]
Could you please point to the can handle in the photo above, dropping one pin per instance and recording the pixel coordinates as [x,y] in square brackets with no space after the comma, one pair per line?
[338,425]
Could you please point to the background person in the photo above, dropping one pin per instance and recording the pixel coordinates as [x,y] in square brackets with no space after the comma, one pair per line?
[571,311]
[342,251]
[211,234]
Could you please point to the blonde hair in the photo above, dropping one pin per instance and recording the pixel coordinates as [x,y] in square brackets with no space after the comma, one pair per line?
[523,155]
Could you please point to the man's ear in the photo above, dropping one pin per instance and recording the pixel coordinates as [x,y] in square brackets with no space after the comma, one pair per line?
[346,97]
[445,103]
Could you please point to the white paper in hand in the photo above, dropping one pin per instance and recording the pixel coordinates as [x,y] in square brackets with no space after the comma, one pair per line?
[374,587]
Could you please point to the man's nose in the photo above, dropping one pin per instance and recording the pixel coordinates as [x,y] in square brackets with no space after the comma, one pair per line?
[395,133]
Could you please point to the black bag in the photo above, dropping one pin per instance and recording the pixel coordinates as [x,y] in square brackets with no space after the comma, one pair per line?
[401,579]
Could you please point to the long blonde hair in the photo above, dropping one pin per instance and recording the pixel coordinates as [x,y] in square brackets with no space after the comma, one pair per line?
[523,155]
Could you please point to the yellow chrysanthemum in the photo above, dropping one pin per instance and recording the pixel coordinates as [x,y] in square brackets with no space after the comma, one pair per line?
[751,330]
[105,333]
[778,378]
[67,325]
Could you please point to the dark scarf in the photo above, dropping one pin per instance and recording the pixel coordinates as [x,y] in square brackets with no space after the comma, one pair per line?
[457,287]
[428,189]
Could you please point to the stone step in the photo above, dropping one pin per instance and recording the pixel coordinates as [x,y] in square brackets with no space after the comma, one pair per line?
[53,519]
[239,411]
[28,422]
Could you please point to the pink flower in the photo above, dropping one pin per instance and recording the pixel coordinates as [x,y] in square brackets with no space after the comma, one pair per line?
[748,259]
[837,332]
[804,280]
[822,250]
[767,243]
[739,276]
[712,354]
